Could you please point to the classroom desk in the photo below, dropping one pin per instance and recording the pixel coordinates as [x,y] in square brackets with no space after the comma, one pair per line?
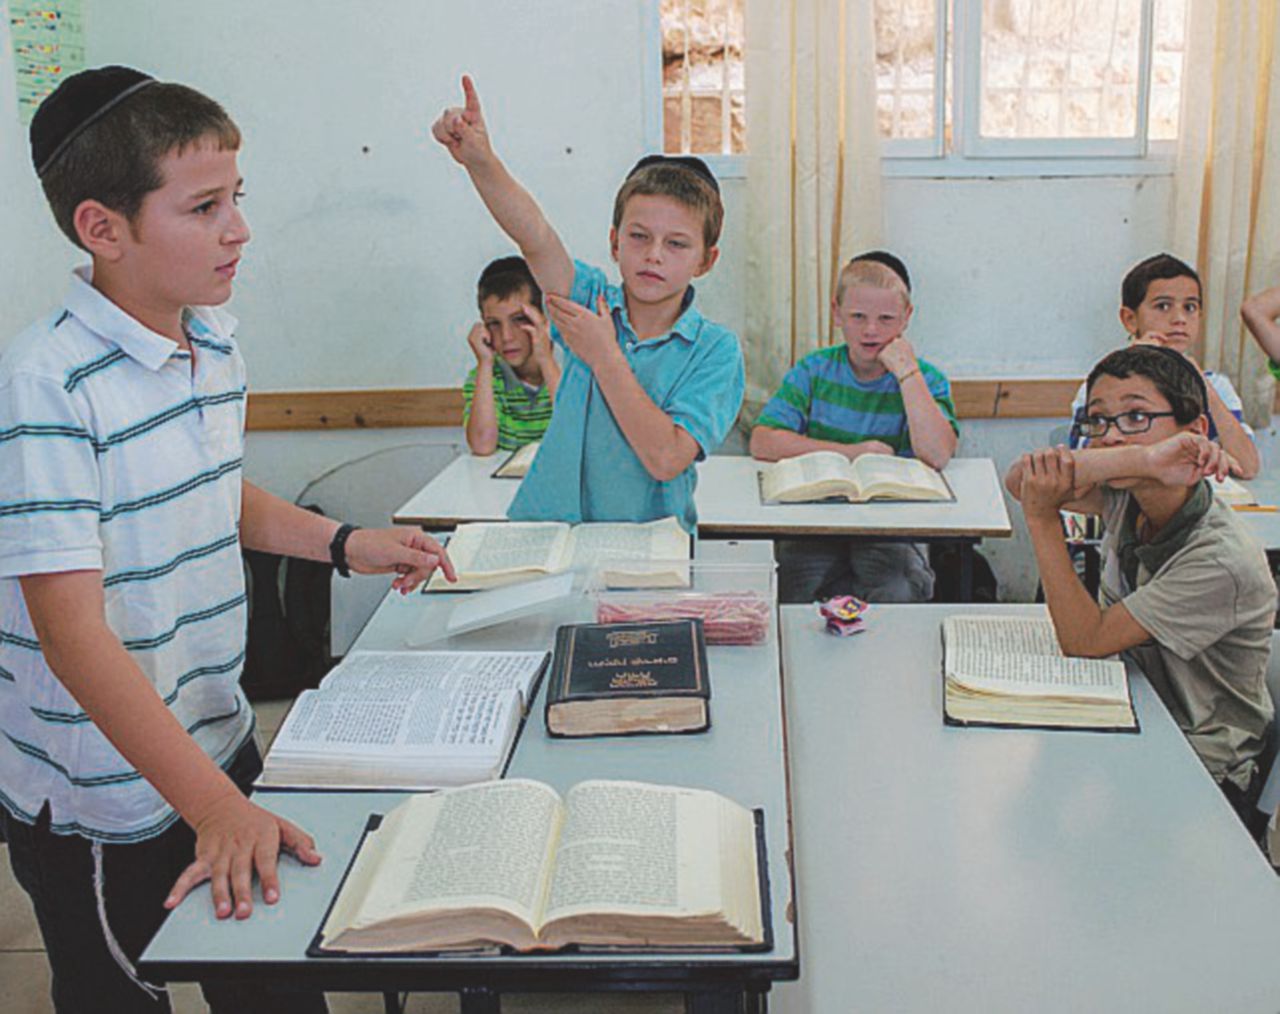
[948,869]
[742,756]
[1265,525]
[728,503]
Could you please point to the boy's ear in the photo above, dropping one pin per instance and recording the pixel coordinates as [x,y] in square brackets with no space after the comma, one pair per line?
[1129,321]
[1199,425]
[613,242]
[100,229]
[708,261]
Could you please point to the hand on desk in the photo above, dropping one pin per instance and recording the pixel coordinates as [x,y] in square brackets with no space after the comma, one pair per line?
[234,839]
[409,552]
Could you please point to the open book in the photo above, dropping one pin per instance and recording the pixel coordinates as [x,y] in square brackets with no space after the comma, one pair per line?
[611,864]
[1007,670]
[406,719]
[826,475]
[490,554]
[517,465]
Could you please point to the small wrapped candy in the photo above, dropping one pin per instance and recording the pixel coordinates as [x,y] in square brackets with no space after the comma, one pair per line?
[844,615]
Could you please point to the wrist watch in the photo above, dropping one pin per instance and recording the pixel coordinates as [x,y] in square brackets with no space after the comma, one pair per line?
[338,548]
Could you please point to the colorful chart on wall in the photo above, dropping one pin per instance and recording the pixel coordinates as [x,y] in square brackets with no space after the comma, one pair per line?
[48,45]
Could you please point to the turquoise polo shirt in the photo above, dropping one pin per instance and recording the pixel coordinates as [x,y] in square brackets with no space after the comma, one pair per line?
[586,469]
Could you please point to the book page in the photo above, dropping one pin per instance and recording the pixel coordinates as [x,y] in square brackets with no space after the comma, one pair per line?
[632,847]
[517,465]
[890,476]
[484,845]
[795,474]
[1020,655]
[484,550]
[653,554]
[406,671]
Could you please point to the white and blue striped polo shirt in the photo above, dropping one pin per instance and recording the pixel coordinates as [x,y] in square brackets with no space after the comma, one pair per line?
[117,455]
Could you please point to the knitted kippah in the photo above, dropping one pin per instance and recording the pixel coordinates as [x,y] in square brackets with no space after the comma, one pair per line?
[77,102]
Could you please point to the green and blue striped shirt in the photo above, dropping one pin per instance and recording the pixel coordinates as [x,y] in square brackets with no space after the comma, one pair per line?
[523,415]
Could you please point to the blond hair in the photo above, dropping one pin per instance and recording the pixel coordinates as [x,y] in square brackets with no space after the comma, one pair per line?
[682,185]
[873,275]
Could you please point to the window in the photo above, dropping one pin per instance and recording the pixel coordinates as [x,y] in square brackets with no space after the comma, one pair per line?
[964,86]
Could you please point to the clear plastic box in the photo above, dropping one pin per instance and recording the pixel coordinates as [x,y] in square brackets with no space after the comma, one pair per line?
[737,601]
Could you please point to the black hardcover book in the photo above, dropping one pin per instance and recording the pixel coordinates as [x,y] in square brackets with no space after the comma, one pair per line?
[613,679]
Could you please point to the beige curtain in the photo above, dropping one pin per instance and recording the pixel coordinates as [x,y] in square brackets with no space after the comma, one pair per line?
[1227,178]
[813,173]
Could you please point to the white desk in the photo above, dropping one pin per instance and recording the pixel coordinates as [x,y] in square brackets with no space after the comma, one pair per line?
[741,755]
[1265,525]
[984,870]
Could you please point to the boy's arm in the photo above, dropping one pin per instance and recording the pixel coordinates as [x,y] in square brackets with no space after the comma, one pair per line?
[274,525]
[481,412]
[543,351]
[933,439]
[771,443]
[1261,313]
[1235,441]
[234,837]
[463,132]
[1048,482]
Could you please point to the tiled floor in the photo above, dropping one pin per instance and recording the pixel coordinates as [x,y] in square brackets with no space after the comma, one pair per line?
[24,973]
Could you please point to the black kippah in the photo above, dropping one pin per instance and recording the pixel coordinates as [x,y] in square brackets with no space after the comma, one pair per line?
[690,162]
[77,102]
[888,260]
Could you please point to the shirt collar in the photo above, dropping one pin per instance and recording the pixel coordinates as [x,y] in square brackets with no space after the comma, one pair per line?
[105,319]
[686,327]
[1172,537]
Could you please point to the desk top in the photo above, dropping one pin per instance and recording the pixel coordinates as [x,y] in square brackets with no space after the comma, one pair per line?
[1265,525]
[728,502]
[740,756]
[985,870]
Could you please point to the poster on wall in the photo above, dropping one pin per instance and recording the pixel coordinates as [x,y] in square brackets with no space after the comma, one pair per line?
[48,45]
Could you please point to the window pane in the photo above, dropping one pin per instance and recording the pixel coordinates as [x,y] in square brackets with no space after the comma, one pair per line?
[1168,44]
[906,67]
[1060,68]
[702,76]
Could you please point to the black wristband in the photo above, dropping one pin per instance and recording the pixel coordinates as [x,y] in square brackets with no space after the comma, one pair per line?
[338,548]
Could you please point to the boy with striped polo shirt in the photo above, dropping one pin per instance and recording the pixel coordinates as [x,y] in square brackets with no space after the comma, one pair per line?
[126,743]
[507,396]
[870,395]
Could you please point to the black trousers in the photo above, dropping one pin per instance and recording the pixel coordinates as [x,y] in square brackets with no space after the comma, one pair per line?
[57,873]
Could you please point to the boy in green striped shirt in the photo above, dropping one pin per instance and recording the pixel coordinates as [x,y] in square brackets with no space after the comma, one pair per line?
[868,396]
[508,394]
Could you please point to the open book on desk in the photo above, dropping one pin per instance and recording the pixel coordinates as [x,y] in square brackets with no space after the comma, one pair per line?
[829,475]
[517,464]
[491,554]
[611,864]
[406,719]
[1007,670]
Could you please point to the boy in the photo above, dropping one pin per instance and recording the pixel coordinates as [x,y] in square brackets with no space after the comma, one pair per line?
[122,604]
[649,385]
[1261,313]
[870,395]
[1161,303]
[1186,590]
[507,396]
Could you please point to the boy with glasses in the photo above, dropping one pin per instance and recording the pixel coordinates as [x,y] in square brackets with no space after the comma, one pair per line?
[1186,590]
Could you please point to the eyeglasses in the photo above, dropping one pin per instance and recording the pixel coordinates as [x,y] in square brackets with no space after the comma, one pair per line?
[1128,423]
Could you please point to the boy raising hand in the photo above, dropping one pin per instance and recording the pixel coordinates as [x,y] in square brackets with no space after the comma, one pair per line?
[649,385]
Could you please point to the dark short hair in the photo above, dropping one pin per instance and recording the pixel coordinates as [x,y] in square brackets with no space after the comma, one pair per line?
[116,159]
[507,277]
[1133,290]
[670,178]
[891,261]
[1177,380]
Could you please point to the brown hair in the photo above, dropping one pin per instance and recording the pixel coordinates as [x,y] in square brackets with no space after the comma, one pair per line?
[683,185]
[117,159]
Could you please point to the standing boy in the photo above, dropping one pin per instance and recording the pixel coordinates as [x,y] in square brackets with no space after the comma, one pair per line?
[127,743]
[870,395]
[1186,590]
[649,385]
[508,394]
[1161,304]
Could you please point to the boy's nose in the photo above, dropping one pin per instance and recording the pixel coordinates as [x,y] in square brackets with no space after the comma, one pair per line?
[1113,437]
[237,229]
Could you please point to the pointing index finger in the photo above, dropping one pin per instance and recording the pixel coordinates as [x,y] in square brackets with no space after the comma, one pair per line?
[471,96]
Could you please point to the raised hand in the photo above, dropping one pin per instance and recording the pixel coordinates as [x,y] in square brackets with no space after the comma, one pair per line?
[481,346]
[539,332]
[461,129]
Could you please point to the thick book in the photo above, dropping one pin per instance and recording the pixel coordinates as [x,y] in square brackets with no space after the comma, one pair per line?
[406,719]
[1010,671]
[828,475]
[492,554]
[517,464]
[614,679]
[512,863]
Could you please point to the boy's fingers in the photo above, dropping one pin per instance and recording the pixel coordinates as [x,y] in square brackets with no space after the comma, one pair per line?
[602,308]
[471,96]
[298,843]
[195,874]
[265,859]
[241,876]
[220,889]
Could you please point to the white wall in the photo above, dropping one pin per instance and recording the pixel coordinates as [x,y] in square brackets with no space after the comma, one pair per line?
[362,264]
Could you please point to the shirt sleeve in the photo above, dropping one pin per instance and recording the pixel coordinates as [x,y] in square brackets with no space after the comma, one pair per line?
[788,409]
[940,388]
[1221,383]
[707,401]
[1077,406]
[1161,605]
[50,486]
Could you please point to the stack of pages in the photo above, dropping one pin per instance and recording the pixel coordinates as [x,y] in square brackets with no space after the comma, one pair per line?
[829,475]
[406,719]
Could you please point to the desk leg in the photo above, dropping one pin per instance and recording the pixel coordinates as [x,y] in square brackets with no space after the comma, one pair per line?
[479,1001]
[966,571]
[391,1003]
[730,1001]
